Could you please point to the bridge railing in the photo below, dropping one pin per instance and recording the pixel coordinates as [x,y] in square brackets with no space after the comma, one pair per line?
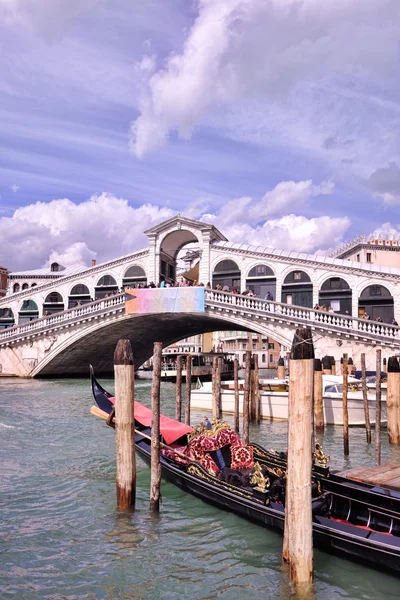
[71,314]
[303,314]
[252,303]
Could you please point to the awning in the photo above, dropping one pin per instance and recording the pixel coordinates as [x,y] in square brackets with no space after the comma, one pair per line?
[171,430]
[193,273]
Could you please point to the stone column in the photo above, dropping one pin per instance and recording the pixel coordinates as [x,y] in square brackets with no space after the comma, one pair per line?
[205,274]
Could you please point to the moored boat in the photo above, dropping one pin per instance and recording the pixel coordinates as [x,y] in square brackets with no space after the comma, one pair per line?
[274,394]
[215,466]
[202,363]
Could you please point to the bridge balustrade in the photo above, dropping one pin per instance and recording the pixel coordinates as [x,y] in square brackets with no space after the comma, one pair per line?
[306,315]
[288,312]
[71,314]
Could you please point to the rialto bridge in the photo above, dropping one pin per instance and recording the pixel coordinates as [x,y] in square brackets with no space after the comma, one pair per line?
[60,326]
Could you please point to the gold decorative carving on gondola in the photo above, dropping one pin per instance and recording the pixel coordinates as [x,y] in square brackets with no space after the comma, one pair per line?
[197,471]
[258,479]
[320,457]
[217,425]
[278,472]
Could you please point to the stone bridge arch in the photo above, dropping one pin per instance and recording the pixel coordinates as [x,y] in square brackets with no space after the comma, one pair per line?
[95,343]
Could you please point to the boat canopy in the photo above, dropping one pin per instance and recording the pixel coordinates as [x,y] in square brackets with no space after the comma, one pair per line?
[171,430]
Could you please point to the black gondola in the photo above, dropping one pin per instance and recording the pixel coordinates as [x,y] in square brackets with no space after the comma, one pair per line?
[344,521]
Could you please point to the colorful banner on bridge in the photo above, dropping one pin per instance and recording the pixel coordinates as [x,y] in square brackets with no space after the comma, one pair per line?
[163,300]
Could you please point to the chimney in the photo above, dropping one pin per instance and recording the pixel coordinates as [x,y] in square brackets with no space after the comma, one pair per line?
[93,262]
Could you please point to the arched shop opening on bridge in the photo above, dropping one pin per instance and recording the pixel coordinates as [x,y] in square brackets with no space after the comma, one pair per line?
[297,289]
[335,292]
[106,286]
[28,311]
[134,277]
[376,301]
[261,280]
[79,295]
[53,303]
[6,318]
[226,273]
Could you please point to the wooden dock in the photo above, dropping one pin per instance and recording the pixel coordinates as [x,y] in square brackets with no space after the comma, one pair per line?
[387,475]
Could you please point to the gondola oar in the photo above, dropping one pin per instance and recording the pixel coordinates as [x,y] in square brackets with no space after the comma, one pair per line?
[101,413]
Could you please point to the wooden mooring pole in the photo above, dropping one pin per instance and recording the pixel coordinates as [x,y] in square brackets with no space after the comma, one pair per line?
[236,394]
[345,406]
[298,540]
[188,389]
[378,409]
[318,399]
[155,430]
[281,368]
[393,400]
[179,388]
[124,425]
[333,365]
[365,398]
[257,393]
[246,398]
[214,402]
[252,411]
[326,365]
[218,387]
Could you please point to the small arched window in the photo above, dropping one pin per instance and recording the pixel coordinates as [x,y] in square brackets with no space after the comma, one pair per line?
[16,287]
[55,267]
[106,280]
[25,286]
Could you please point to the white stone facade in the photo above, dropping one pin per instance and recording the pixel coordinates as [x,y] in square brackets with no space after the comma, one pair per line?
[167,239]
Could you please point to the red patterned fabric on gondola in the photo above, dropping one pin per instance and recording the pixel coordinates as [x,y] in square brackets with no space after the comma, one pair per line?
[198,450]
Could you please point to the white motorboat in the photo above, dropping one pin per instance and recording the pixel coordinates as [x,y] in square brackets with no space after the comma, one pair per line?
[274,399]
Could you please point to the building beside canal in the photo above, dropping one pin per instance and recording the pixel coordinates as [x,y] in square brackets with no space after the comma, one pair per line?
[3,281]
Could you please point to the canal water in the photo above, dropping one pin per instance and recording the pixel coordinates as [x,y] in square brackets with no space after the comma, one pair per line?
[61,536]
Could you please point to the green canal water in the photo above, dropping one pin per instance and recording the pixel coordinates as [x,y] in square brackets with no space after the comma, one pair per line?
[61,536]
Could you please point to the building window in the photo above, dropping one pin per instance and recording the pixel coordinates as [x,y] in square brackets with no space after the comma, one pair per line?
[369,256]
[271,346]
[271,358]
[375,290]
[263,358]
[297,275]
[55,267]
[25,286]
[16,287]
[358,258]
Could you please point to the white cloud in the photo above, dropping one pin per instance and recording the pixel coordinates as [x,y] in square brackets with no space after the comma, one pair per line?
[246,220]
[285,197]
[265,49]
[104,226]
[291,232]
[385,183]
[14,188]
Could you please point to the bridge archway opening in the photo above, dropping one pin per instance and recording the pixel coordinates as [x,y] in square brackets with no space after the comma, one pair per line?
[377,302]
[134,277]
[106,286]
[80,294]
[335,292]
[297,289]
[226,274]
[25,286]
[28,312]
[261,280]
[6,318]
[53,303]
[171,250]
[16,288]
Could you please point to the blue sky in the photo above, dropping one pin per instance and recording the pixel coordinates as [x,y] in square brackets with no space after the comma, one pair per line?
[277,120]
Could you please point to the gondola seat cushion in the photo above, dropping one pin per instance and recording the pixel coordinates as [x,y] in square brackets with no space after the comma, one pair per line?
[242,457]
